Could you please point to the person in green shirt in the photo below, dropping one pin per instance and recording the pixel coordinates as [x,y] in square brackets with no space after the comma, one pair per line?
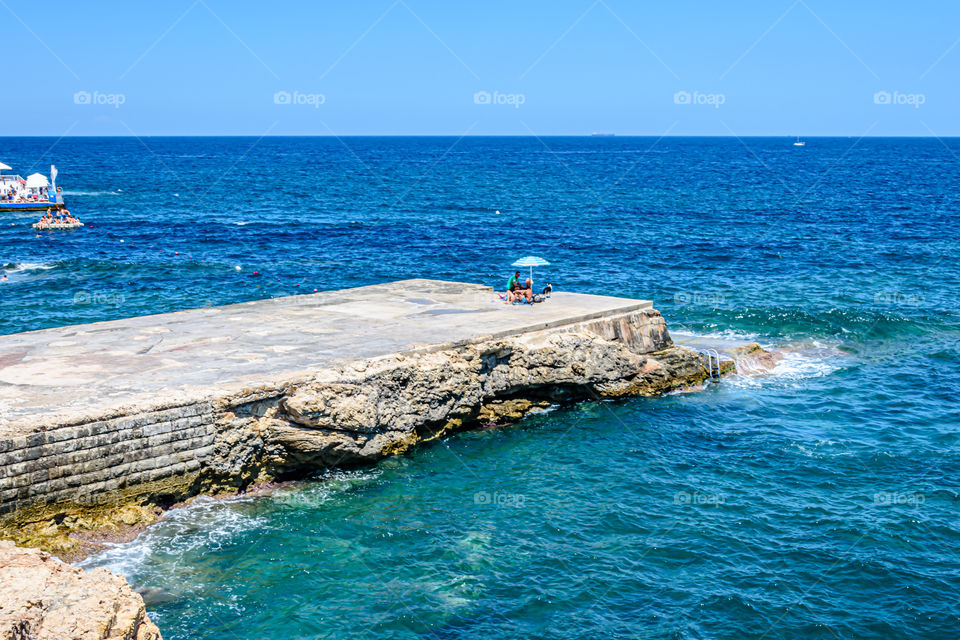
[514,280]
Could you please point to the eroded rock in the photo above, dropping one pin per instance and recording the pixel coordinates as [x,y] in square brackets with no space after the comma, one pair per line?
[42,598]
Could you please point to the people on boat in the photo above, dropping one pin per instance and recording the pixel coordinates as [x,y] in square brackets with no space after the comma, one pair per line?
[51,219]
[14,190]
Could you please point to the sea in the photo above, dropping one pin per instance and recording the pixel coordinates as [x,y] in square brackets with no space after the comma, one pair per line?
[818,501]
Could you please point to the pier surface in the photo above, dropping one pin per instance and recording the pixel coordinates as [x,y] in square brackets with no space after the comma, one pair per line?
[58,376]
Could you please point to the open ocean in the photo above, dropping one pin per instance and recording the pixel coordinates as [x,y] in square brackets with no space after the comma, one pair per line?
[822,501]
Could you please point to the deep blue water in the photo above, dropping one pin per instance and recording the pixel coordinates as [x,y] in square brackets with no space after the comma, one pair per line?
[819,502]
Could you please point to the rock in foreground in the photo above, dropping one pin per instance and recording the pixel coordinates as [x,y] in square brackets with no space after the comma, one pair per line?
[42,598]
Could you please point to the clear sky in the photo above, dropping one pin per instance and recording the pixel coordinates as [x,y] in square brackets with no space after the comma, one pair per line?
[517,67]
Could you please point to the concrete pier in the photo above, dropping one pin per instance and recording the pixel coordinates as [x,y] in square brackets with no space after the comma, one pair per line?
[65,375]
[112,422]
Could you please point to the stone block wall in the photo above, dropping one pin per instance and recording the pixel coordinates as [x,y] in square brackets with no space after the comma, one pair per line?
[351,414]
[86,464]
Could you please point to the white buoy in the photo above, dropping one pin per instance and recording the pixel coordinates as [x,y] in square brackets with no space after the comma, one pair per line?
[498,211]
[237,267]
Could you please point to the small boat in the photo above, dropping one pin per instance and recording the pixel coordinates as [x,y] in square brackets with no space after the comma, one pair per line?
[57,225]
[799,142]
[35,193]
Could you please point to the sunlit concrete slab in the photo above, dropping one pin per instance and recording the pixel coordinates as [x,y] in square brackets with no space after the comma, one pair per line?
[53,374]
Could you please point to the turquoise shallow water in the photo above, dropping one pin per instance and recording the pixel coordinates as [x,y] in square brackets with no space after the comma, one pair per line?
[818,502]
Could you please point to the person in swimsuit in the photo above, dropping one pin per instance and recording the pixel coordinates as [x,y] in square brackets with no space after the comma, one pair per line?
[527,291]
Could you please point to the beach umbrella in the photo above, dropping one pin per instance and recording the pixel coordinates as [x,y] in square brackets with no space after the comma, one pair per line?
[37,180]
[531,261]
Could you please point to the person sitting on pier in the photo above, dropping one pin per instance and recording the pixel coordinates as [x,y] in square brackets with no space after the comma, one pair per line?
[521,292]
[509,297]
[518,293]
[527,291]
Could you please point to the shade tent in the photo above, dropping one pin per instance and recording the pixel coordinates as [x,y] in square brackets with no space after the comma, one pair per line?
[531,261]
[4,167]
[37,180]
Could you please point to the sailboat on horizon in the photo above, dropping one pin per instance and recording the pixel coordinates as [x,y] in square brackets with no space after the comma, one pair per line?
[799,142]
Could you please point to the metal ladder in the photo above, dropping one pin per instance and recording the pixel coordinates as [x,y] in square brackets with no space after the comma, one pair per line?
[709,358]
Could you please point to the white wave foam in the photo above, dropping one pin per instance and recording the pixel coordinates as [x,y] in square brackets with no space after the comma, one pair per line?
[821,449]
[726,334]
[29,266]
[90,193]
[329,486]
[206,523]
[800,360]
[796,364]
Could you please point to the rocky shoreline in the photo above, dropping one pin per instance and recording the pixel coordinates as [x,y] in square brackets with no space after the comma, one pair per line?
[338,417]
[44,598]
[84,484]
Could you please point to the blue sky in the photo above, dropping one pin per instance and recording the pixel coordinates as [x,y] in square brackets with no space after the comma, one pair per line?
[218,67]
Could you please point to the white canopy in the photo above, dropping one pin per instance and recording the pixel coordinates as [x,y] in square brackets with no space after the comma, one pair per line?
[37,180]
[4,167]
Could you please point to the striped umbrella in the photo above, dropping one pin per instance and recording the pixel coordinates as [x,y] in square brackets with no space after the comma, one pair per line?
[531,261]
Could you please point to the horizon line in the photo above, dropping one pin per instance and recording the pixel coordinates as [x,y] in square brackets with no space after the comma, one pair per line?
[479,135]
